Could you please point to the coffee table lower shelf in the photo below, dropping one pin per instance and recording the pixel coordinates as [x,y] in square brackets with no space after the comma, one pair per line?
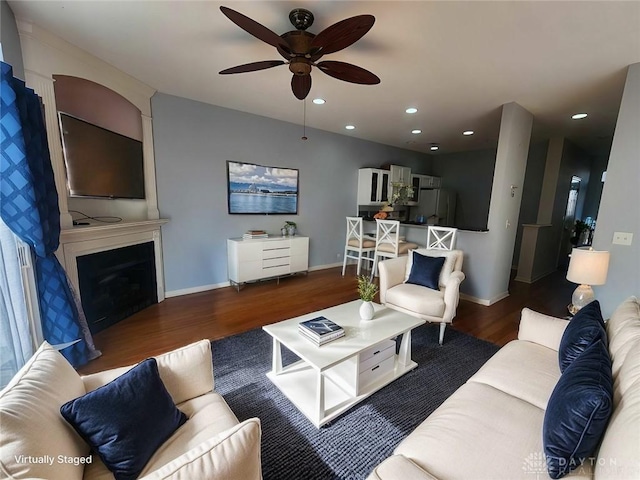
[323,396]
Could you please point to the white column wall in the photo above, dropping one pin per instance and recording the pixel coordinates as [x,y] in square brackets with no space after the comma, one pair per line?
[488,254]
[620,205]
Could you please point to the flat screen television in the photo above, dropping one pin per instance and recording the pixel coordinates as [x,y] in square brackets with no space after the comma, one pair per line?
[100,163]
[257,189]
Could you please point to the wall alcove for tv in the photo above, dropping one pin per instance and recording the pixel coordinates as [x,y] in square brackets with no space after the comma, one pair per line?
[99,105]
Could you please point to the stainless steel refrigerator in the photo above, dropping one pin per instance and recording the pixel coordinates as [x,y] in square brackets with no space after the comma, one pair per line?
[437,206]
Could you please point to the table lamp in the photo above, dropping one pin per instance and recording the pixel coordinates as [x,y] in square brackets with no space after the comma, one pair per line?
[586,267]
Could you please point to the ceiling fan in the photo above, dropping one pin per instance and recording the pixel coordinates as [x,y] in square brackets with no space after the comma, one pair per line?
[302,50]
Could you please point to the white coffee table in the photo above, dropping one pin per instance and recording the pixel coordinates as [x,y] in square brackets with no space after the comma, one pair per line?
[330,379]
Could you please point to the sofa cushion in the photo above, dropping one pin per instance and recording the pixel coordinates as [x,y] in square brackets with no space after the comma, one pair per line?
[479,433]
[230,455]
[584,329]
[541,329]
[623,330]
[126,420]
[209,415]
[578,411]
[186,372]
[425,270]
[522,369]
[423,301]
[31,423]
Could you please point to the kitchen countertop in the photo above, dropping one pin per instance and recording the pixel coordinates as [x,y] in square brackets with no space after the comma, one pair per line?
[411,224]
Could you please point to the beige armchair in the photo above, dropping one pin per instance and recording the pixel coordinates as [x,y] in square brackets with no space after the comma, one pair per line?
[423,302]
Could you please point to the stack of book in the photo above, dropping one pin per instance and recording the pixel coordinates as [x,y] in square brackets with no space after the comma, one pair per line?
[255,234]
[320,330]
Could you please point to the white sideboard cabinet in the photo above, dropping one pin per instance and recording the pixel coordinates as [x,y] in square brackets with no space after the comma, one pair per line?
[256,259]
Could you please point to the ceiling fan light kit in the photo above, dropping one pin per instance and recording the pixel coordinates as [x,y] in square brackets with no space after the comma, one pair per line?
[302,50]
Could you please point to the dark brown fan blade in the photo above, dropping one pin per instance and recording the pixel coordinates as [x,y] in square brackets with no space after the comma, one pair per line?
[348,73]
[342,34]
[252,67]
[301,85]
[254,28]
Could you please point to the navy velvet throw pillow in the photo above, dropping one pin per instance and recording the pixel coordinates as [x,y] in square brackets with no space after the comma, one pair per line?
[578,411]
[584,329]
[126,420]
[426,270]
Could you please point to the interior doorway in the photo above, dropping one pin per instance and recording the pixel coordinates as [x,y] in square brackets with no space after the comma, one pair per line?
[568,222]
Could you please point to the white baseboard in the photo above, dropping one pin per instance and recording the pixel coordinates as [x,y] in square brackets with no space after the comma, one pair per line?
[205,288]
[484,301]
[198,289]
[534,279]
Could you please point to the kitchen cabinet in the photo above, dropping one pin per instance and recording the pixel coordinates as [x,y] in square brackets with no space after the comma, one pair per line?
[400,174]
[430,182]
[416,181]
[373,186]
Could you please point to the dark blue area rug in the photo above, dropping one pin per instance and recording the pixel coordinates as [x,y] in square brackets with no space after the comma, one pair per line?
[350,446]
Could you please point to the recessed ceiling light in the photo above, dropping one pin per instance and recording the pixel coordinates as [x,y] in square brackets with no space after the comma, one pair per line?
[411,110]
[350,127]
[468,132]
[434,147]
[579,116]
[416,131]
[318,101]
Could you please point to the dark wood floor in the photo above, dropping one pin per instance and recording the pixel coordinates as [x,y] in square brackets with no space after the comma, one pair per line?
[222,312]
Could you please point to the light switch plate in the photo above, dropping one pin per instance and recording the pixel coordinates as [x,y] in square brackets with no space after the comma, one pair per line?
[622,238]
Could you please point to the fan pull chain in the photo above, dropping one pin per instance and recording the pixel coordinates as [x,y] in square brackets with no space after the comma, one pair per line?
[304,119]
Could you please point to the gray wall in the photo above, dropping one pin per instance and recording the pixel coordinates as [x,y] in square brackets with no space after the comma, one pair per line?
[192,143]
[470,175]
[11,50]
[620,206]
[531,191]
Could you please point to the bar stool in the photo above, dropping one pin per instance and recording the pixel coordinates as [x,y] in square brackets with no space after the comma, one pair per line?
[355,243]
[441,238]
[388,244]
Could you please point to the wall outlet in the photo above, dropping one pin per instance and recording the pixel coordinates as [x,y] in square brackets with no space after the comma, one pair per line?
[622,238]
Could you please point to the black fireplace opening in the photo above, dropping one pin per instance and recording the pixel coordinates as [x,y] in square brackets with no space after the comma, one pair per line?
[115,284]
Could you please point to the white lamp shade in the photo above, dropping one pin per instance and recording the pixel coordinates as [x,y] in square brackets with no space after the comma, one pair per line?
[588,267]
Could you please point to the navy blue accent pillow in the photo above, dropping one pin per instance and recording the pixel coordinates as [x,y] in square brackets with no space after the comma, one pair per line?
[578,411]
[584,329]
[126,420]
[426,270]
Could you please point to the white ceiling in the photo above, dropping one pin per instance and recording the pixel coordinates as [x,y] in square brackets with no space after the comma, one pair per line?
[457,62]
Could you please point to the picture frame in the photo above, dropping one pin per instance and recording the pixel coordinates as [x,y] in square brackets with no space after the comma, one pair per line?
[254,189]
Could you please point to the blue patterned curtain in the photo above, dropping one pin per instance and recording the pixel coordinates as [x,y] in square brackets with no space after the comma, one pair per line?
[29,207]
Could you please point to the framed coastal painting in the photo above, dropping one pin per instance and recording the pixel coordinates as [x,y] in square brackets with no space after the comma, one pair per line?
[261,190]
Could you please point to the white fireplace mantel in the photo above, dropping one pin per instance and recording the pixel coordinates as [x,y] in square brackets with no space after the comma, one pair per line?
[87,239]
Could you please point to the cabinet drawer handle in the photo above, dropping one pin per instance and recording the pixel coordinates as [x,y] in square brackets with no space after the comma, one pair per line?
[377,366]
[375,353]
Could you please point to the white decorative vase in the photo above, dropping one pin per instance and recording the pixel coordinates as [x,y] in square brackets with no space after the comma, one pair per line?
[366,310]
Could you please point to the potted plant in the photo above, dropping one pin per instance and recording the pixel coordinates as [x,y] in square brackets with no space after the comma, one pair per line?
[367,291]
[290,227]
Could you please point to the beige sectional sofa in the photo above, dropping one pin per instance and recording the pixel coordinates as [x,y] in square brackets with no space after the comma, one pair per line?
[38,443]
[491,427]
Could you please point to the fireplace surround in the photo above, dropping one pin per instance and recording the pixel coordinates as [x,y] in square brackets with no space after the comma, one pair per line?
[78,247]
